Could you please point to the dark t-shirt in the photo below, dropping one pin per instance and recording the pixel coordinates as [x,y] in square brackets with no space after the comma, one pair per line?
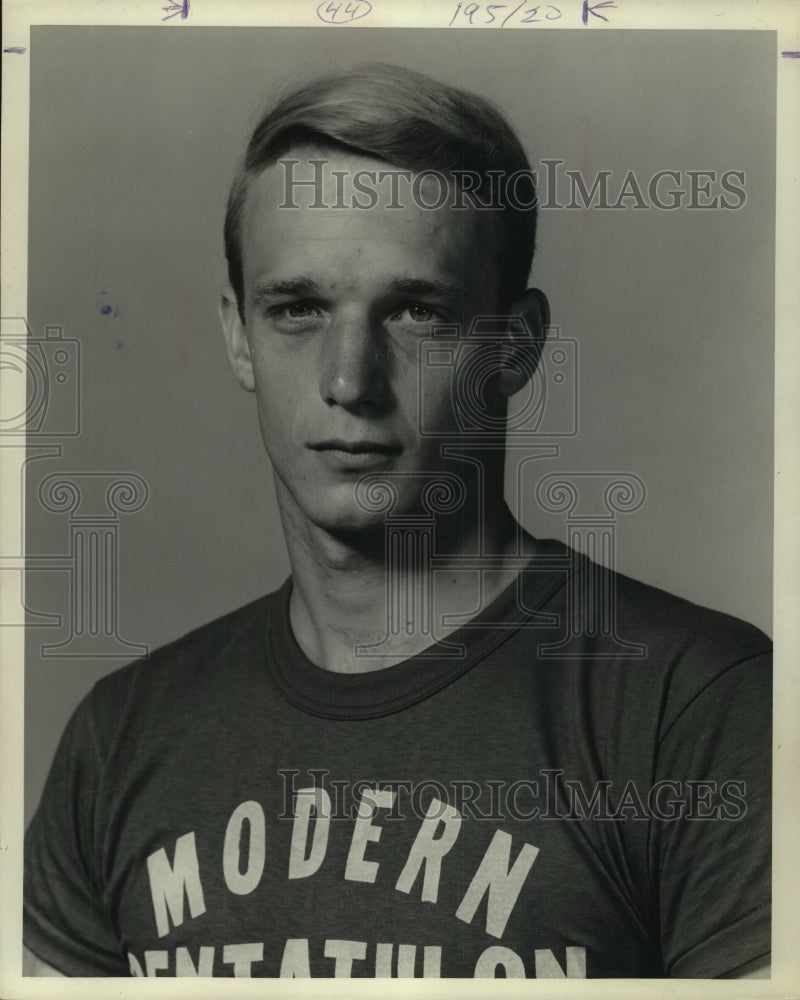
[554,793]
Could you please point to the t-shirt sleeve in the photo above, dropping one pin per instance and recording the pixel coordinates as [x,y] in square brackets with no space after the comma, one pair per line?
[64,920]
[711,862]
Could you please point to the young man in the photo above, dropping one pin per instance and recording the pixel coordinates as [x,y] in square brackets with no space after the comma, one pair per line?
[443,747]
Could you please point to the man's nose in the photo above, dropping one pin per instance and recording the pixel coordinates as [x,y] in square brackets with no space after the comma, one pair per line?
[354,360]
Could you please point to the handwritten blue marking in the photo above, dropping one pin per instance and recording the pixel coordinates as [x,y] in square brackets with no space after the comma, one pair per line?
[791,55]
[181,9]
[513,12]
[529,16]
[17,49]
[593,9]
[332,13]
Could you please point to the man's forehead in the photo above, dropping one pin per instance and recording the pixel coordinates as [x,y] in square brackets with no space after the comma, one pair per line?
[333,183]
[313,203]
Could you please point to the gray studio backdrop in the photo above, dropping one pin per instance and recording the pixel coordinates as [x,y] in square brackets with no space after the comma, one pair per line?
[134,137]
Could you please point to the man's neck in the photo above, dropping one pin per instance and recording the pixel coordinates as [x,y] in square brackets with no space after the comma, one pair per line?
[340,588]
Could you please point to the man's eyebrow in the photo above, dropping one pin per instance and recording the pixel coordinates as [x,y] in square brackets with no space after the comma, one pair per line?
[304,285]
[421,286]
[301,285]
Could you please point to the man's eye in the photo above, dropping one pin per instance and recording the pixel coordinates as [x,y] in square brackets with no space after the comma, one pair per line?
[294,316]
[421,313]
[300,310]
[417,312]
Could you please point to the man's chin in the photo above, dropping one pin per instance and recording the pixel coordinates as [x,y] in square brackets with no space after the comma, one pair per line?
[357,527]
[353,514]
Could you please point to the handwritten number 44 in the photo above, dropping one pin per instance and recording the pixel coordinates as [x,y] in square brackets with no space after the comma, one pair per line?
[339,13]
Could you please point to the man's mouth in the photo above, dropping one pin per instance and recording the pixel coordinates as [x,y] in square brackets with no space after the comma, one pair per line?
[339,454]
[357,447]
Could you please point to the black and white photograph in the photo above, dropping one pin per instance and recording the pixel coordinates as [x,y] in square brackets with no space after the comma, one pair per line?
[396,495]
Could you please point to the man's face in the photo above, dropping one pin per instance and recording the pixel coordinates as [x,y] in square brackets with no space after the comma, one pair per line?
[337,301]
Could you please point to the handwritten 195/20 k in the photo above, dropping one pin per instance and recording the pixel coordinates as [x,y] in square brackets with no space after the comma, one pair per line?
[495,13]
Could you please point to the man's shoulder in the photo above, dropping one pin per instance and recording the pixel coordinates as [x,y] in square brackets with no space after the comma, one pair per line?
[651,654]
[609,599]
[635,640]
[189,662]
[682,646]
[684,622]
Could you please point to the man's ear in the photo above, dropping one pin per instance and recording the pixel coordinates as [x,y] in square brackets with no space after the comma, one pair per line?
[527,340]
[236,338]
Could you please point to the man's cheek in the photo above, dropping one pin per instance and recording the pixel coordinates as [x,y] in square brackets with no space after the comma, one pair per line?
[429,401]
